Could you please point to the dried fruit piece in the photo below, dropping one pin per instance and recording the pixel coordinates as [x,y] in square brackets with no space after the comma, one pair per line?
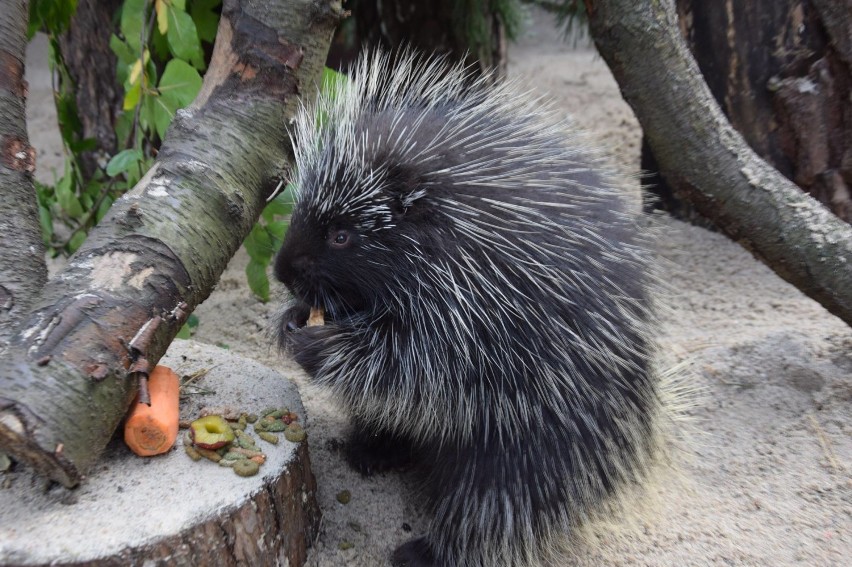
[274,426]
[246,467]
[192,452]
[268,437]
[211,432]
[230,413]
[209,454]
[294,433]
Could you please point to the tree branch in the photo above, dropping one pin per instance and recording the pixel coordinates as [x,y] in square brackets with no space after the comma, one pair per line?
[22,267]
[72,367]
[701,155]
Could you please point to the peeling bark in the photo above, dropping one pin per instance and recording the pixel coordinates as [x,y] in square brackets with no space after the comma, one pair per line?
[22,267]
[73,365]
[699,152]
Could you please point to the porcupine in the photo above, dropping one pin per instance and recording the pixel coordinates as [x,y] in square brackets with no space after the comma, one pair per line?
[487,295]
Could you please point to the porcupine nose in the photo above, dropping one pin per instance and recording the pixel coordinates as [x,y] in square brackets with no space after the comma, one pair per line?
[289,268]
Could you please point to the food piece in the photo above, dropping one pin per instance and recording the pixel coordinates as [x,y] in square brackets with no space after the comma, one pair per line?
[152,430]
[294,433]
[344,496]
[192,452]
[316,318]
[246,467]
[211,432]
[268,437]
[209,454]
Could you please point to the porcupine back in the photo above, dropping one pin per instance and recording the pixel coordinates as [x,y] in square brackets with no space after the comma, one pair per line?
[500,272]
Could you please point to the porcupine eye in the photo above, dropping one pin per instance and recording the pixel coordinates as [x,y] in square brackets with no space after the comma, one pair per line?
[339,239]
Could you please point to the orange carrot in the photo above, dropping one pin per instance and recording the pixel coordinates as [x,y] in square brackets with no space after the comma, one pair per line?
[151,430]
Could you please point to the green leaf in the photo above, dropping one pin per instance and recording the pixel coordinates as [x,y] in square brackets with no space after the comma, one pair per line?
[132,96]
[85,145]
[51,16]
[206,20]
[162,115]
[192,321]
[76,241]
[123,51]
[258,244]
[123,161]
[332,82]
[65,195]
[280,206]
[180,83]
[147,114]
[46,222]
[103,208]
[184,333]
[124,127]
[160,45]
[133,22]
[277,230]
[183,38]
[178,87]
[189,327]
[258,280]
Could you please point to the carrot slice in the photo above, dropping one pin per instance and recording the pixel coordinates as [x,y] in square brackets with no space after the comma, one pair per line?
[151,430]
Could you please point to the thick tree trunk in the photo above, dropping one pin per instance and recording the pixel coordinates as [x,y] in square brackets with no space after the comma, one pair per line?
[22,267]
[473,32]
[72,367]
[782,73]
[699,151]
[91,64]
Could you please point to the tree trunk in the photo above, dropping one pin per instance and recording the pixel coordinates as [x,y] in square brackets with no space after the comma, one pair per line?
[72,367]
[782,73]
[701,153]
[91,64]
[22,266]
[473,32]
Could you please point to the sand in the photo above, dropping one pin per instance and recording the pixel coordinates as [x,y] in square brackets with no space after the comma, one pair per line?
[767,477]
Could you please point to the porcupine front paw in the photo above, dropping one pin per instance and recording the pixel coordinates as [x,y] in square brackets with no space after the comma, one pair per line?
[305,344]
[369,453]
[295,317]
[414,553]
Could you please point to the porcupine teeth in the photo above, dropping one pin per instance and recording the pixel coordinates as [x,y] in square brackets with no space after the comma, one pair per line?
[316,317]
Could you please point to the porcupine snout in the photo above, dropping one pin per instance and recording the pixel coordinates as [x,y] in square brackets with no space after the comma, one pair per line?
[294,264]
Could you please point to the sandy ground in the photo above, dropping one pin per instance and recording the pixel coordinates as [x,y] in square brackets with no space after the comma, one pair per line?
[768,479]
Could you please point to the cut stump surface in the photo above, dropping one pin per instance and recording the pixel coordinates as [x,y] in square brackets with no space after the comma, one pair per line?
[169,509]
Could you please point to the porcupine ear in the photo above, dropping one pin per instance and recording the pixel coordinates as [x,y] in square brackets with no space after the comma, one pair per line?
[405,188]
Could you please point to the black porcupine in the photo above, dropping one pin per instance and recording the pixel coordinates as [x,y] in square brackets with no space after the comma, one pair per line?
[486,292]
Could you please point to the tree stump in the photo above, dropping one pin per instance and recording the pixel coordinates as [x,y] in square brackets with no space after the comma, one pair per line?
[169,509]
